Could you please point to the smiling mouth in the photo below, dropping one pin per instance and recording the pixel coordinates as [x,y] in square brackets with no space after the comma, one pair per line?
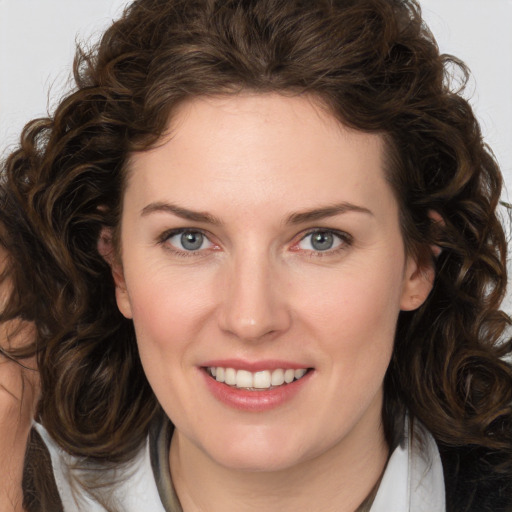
[256,381]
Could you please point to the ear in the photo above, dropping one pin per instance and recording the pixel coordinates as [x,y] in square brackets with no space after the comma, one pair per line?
[107,251]
[420,272]
[418,282]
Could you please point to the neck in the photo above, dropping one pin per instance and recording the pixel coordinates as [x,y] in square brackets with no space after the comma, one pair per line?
[337,480]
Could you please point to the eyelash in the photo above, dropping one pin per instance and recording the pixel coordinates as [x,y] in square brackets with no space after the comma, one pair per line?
[167,235]
[345,239]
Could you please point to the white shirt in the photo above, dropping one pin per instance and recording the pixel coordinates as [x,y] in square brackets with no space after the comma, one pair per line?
[412,482]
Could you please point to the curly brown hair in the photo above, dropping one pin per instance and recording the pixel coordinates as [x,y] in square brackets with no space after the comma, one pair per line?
[377,68]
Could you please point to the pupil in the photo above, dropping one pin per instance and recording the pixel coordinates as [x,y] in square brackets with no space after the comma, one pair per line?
[322,241]
[192,240]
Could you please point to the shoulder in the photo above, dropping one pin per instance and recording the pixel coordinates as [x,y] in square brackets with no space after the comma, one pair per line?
[93,487]
[476,480]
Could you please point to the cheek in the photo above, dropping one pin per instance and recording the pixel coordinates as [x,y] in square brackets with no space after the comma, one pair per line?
[353,315]
[353,323]
[354,302]
[168,310]
[166,325]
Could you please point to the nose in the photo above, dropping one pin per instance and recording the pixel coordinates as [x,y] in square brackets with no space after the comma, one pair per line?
[253,303]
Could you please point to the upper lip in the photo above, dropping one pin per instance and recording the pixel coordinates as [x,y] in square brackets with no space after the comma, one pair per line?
[254,366]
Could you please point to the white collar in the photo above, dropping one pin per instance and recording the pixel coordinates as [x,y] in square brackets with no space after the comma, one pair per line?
[413,480]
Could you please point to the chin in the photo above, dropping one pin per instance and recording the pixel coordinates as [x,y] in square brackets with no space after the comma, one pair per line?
[258,461]
[257,451]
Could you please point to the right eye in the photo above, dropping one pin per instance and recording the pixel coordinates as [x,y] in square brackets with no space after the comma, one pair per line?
[187,240]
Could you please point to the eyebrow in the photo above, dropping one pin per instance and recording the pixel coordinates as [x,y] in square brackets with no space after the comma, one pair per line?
[325,212]
[179,211]
[295,218]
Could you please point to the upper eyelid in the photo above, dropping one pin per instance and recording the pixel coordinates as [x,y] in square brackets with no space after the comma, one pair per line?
[341,234]
[164,238]
[346,237]
[347,241]
[165,235]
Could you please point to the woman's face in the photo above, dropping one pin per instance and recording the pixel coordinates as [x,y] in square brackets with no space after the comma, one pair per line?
[261,243]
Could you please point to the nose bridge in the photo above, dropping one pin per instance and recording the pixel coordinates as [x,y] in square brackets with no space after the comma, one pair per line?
[252,303]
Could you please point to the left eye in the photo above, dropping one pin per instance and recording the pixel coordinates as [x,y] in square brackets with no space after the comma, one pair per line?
[189,241]
[321,241]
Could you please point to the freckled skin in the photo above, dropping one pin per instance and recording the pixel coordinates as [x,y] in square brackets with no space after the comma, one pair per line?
[257,289]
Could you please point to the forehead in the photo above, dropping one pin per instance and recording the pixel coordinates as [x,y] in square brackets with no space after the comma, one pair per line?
[250,150]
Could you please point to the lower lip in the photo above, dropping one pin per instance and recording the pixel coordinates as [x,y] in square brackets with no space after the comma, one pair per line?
[254,401]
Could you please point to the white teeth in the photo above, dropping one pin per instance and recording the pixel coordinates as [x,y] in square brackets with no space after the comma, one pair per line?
[264,379]
[261,380]
[230,377]
[289,375]
[244,379]
[277,377]
[300,373]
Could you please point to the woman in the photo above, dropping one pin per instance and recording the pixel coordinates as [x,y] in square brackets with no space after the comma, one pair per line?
[260,249]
